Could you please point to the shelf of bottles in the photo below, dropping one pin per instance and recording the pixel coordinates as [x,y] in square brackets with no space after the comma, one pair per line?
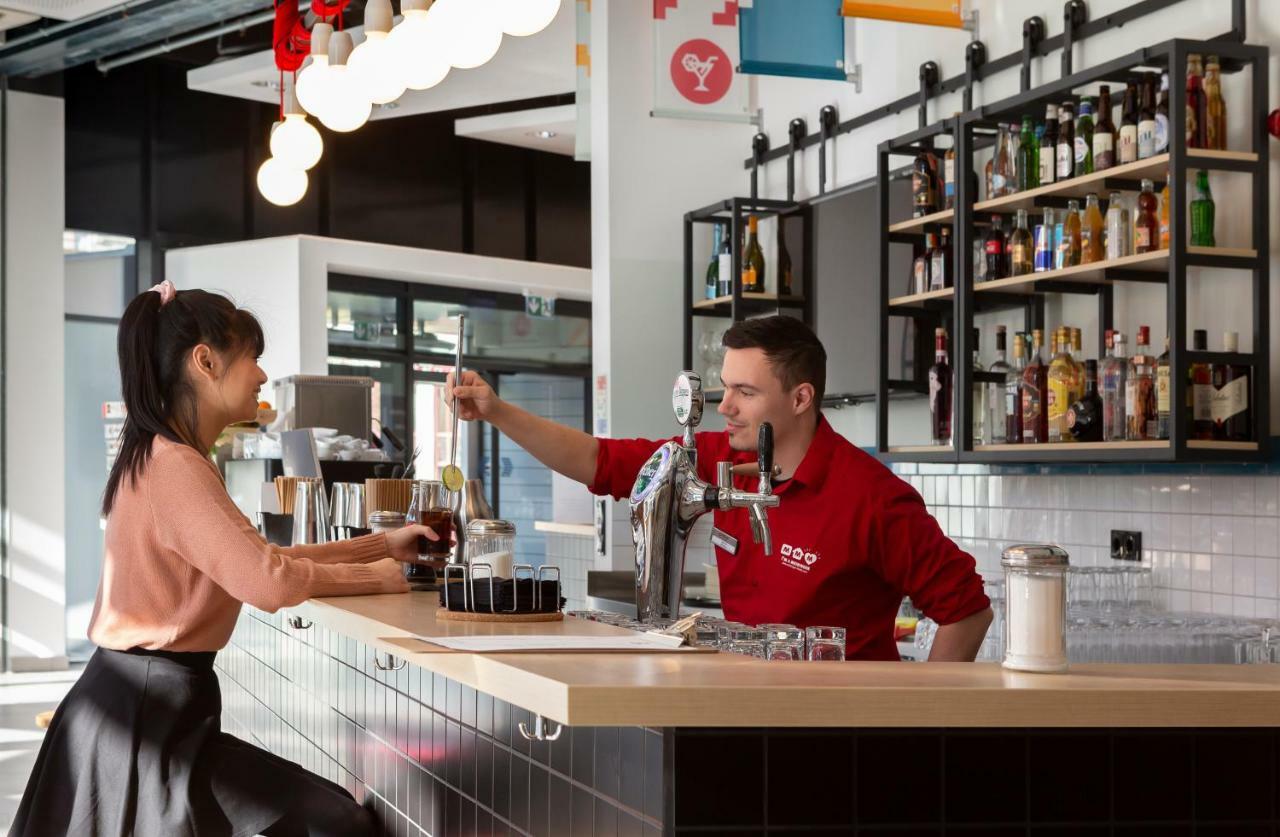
[742,257]
[1067,190]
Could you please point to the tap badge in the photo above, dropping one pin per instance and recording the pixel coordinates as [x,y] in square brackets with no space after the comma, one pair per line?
[797,558]
[682,399]
[651,474]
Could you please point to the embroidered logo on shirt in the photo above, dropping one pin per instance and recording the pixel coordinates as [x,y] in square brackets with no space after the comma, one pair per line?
[797,558]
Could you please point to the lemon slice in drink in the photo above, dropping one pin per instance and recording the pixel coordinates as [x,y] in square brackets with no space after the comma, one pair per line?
[452,477]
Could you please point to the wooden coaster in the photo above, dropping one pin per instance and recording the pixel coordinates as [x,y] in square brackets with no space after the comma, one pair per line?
[466,616]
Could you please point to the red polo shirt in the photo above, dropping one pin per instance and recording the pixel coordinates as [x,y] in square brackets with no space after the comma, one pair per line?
[849,540]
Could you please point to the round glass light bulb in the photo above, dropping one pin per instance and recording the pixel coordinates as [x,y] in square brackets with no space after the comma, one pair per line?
[526,17]
[470,31]
[417,53]
[310,89]
[372,65]
[296,142]
[346,106]
[281,184]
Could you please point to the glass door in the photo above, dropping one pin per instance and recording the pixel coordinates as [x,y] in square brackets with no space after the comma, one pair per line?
[433,430]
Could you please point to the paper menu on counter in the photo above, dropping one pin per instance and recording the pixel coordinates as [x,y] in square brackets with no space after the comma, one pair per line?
[533,642]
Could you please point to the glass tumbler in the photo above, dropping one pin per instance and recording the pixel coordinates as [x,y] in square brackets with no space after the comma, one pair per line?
[824,643]
[749,642]
[783,642]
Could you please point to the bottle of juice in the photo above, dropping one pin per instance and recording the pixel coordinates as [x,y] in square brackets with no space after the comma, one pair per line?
[1092,244]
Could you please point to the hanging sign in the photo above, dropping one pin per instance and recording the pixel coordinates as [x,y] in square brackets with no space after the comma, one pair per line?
[695,62]
[798,38]
[929,12]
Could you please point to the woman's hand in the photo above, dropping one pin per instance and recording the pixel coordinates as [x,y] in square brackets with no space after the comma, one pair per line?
[390,576]
[402,544]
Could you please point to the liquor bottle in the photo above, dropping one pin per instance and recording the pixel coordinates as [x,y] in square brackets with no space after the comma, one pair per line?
[997,419]
[924,198]
[940,390]
[786,278]
[724,270]
[1066,141]
[1035,385]
[1069,242]
[1015,148]
[1104,133]
[1092,231]
[949,179]
[1196,104]
[1048,150]
[1028,164]
[1146,226]
[1127,139]
[1077,360]
[940,274]
[1162,115]
[1147,118]
[1044,242]
[752,259]
[978,408]
[920,282]
[1013,392]
[1139,391]
[1119,237]
[1021,247]
[712,287]
[1062,374]
[1115,369]
[1002,166]
[1232,418]
[1084,138]
[1084,418]
[1202,213]
[993,247]
[1164,213]
[1200,390]
[1163,393]
[1215,109]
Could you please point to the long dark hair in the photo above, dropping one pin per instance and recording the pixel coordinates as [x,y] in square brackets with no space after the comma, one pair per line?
[153,343]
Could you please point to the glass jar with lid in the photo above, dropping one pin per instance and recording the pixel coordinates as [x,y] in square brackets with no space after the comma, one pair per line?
[492,542]
[1035,628]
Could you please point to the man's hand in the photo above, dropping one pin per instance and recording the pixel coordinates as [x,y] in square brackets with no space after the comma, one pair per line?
[475,398]
[960,641]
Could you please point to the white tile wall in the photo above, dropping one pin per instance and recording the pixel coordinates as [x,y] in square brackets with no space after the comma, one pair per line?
[1212,541]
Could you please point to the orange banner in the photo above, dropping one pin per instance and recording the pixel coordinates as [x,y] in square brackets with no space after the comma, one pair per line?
[928,12]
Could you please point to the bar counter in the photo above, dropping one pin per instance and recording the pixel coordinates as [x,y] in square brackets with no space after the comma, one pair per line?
[687,742]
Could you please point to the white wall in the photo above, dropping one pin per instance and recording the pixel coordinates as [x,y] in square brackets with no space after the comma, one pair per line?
[95,285]
[34,453]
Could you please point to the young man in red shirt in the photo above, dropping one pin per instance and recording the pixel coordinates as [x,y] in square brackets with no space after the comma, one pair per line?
[850,537]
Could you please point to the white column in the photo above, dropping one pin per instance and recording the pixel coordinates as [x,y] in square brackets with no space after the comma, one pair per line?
[34,432]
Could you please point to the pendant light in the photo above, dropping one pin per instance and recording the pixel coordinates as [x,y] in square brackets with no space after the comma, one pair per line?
[526,17]
[295,142]
[372,63]
[472,32]
[416,46]
[310,88]
[281,184]
[346,107]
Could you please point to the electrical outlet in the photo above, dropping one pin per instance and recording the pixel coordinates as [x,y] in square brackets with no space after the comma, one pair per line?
[1126,545]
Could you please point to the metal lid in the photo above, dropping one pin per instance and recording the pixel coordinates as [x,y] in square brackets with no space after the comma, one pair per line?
[491,527]
[1034,555]
[386,517]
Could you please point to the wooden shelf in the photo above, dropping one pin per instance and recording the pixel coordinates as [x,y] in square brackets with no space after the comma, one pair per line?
[946,216]
[720,301]
[918,300]
[921,449]
[1228,252]
[1094,273]
[1152,168]
[1209,444]
[1072,446]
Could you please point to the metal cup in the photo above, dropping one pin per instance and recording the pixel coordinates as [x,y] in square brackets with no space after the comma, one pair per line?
[310,513]
[347,508]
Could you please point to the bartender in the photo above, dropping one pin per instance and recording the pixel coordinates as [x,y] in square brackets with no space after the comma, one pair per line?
[851,538]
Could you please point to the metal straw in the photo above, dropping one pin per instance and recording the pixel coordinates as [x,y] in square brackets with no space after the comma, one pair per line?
[457,381]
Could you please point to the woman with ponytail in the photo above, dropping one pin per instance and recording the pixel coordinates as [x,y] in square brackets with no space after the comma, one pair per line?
[135,747]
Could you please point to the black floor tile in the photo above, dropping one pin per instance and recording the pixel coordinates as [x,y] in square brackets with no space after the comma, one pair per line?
[899,779]
[539,801]
[631,764]
[608,761]
[502,782]
[561,759]
[1070,778]
[810,780]
[1153,776]
[719,780]
[629,826]
[985,778]
[582,816]
[467,761]
[560,806]
[584,745]
[519,815]
[1234,778]
[655,787]
[484,771]
[606,819]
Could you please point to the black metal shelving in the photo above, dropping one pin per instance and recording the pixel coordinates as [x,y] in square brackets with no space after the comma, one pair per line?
[955,307]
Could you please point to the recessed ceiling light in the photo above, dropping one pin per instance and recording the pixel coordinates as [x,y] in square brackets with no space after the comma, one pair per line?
[270,85]
[543,134]
[388,106]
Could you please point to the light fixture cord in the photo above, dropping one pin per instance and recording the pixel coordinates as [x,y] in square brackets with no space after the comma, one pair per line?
[282,95]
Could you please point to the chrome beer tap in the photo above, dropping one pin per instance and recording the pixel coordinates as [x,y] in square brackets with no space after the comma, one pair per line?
[668,498]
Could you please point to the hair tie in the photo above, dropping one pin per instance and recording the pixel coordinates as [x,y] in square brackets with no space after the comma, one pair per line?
[166,290]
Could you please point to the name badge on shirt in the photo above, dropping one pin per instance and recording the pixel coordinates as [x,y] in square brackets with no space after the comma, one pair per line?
[724,540]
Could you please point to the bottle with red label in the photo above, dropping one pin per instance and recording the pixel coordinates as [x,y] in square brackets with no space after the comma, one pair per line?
[1146,224]
[940,391]
[995,263]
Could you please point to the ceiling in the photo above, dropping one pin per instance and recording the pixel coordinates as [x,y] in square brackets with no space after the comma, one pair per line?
[526,128]
[524,68]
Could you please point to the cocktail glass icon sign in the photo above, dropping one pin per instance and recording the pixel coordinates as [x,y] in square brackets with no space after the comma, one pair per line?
[701,68]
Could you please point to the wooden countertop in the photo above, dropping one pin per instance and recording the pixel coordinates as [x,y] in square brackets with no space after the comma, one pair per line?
[723,690]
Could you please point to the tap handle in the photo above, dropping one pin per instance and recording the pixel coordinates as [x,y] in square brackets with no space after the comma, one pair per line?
[765,448]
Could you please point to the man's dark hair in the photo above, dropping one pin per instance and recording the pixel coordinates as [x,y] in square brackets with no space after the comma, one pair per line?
[792,348]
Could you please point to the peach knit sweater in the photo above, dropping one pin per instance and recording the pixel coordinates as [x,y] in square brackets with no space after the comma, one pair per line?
[181,558]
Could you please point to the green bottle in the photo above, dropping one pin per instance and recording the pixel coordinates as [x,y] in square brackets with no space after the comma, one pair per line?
[1084,138]
[1028,157]
[1202,213]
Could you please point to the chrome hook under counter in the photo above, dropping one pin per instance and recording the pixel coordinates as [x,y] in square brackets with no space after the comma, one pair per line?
[392,664]
[299,624]
[540,727]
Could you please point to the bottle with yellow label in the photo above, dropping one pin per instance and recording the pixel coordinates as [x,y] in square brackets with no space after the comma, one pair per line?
[1062,377]
[752,260]
[1077,360]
